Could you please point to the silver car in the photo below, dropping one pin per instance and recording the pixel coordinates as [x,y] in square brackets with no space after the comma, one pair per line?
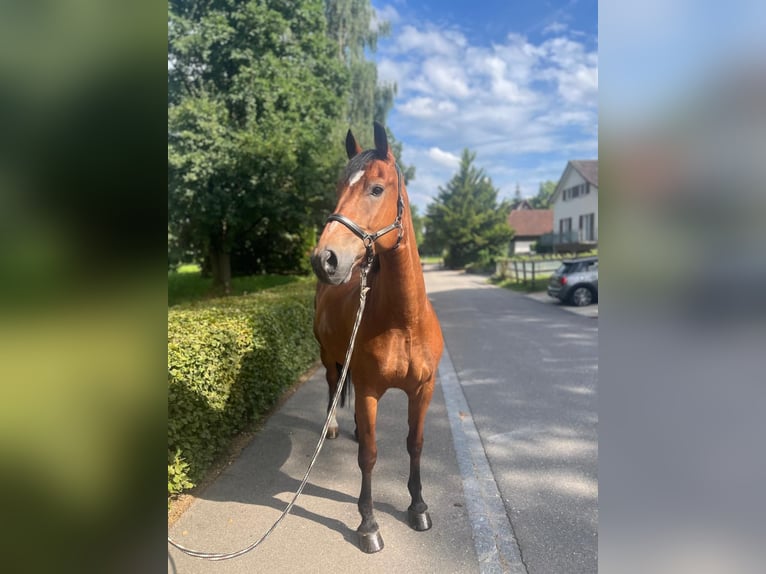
[575,281]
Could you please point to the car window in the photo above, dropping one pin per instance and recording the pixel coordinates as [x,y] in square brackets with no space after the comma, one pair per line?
[590,266]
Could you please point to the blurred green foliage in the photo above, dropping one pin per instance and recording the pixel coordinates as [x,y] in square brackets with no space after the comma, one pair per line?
[82,283]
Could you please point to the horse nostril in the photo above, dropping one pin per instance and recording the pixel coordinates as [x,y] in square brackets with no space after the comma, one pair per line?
[329,261]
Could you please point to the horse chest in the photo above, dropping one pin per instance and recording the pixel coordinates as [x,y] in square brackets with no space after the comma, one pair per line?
[397,358]
[389,355]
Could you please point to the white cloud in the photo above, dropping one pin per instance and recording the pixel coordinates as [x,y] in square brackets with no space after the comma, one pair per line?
[525,107]
[427,107]
[430,41]
[385,14]
[555,28]
[392,71]
[445,77]
[444,157]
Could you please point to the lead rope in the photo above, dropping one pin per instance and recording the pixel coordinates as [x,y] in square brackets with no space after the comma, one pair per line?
[215,556]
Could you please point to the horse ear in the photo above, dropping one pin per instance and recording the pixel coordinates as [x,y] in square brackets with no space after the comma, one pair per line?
[381,140]
[352,148]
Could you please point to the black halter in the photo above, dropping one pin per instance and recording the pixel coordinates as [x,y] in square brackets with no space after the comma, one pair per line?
[369,238]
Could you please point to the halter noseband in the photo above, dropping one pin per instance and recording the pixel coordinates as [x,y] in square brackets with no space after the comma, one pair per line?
[369,238]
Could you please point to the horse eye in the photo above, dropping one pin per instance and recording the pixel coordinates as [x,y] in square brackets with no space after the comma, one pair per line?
[376,190]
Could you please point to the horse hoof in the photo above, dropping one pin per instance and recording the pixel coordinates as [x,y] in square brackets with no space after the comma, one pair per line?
[332,432]
[419,521]
[370,542]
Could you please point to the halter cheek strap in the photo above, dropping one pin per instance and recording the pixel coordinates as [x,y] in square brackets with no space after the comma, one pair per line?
[369,238]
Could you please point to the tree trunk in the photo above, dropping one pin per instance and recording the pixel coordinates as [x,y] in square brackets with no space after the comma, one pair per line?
[220,263]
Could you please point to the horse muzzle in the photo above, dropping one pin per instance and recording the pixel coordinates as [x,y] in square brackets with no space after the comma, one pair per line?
[332,267]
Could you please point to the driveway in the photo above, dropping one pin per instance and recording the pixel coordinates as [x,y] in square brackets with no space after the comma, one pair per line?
[587,311]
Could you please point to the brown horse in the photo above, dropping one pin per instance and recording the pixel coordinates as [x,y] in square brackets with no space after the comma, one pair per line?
[399,343]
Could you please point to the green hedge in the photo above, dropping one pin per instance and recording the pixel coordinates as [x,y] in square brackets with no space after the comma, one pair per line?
[229,360]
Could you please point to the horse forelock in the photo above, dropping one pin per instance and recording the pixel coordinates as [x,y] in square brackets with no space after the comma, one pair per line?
[359,163]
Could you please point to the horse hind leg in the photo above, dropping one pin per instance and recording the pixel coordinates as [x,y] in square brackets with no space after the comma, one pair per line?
[417,513]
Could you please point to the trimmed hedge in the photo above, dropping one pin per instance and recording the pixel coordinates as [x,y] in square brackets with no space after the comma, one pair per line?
[229,360]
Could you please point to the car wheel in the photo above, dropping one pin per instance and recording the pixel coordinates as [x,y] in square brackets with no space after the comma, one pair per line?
[582,296]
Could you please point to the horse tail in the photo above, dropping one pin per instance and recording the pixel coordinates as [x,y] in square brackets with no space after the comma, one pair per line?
[346,392]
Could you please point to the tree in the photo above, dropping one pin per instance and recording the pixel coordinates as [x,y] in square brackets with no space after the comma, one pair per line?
[517,199]
[349,27]
[466,218]
[417,223]
[255,97]
[544,194]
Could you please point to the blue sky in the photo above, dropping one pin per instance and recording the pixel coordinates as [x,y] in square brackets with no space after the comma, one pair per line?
[516,82]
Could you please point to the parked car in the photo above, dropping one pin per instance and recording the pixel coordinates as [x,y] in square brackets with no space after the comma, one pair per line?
[575,281]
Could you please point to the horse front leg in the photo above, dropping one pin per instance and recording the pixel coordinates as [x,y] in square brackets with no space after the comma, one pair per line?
[419,400]
[370,539]
[332,375]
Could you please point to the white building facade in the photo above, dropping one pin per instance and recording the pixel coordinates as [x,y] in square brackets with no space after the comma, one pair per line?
[575,203]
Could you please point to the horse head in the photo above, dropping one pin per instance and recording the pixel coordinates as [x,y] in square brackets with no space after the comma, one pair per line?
[368,216]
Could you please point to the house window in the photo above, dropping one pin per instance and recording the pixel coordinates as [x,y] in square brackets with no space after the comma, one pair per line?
[576,191]
[565,225]
[587,231]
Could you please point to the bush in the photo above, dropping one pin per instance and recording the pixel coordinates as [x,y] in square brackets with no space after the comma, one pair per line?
[484,263]
[229,360]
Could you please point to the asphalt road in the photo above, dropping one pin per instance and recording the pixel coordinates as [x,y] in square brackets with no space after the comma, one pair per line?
[511,427]
[529,373]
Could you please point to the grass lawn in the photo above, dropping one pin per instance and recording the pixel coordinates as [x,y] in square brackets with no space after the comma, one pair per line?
[430,259]
[186,284]
[540,284]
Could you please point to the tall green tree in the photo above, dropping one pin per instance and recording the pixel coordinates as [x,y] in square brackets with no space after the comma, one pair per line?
[350,27]
[466,219]
[417,224]
[255,104]
[544,194]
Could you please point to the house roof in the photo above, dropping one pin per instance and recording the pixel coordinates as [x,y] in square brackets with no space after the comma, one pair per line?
[588,168]
[531,222]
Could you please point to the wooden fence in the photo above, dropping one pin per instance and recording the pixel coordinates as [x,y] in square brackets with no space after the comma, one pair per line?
[525,271]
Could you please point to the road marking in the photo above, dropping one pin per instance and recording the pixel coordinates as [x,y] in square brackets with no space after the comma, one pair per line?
[496,546]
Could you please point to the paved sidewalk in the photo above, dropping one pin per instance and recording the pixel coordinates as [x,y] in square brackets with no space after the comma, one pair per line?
[319,536]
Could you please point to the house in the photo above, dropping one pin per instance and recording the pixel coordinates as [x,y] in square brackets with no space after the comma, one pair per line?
[575,207]
[529,225]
